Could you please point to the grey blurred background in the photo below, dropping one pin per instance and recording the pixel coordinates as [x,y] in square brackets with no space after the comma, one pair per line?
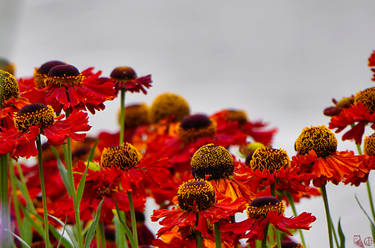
[281,61]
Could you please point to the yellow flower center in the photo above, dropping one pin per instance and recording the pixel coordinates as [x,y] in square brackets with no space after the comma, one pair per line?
[7,66]
[237,115]
[369,145]
[320,139]
[41,73]
[196,195]
[36,114]
[123,73]
[195,126]
[8,86]
[212,160]
[261,206]
[136,115]
[125,156]
[169,105]
[265,158]
[63,75]
[367,97]
[345,102]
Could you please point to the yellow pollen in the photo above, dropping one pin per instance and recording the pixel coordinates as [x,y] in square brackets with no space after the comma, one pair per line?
[265,158]
[191,134]
[369,145]
[320,139]
[367,97]
[169,105]
[8,86]
[59,81]
[196,195]
[212,160]
[39,79]
[256,212]
[43,118]
[125,156]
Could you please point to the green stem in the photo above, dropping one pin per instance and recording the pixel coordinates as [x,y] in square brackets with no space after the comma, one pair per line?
[43,187]
[198,239]
[101,235]
[264,241]
[122,116]
[217,234]
[291,202]
[278,237]
[273,191]
[5,219]
[328,215]
[133,219]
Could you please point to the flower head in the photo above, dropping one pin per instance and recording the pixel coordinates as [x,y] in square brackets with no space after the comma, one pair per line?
[136,115]
[64,75]
[367,98]
[124,156]
[8,86]
[125,77]
[7,66]
[212,160]
[261,206]
[369,145]
[35,114]
[320,139]
[269,159]
[169,105]
[196,195]
[41,73]
[195,126]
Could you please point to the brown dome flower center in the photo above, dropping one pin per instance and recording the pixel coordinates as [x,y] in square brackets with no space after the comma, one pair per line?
[125,156]
[261,206]
[196,195]
[369,145]
[367,97]
[320,139]
[63,75]
[212,160]
[265,158]
[7,66]
[44,69]
[195,126]
[8,86]
[36,114]
[237,115]
[136,115]
[123,73]
[169,105]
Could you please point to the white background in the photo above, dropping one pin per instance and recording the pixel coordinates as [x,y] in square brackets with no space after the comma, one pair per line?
[281,61]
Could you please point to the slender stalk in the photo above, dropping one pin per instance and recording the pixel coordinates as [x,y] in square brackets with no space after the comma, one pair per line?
[217,234]
[264,241]
[368,186]
[198,239]
[278,237]
[15,199]
[101,235]
[273,191]
[133,219]
[4,220]
[122,115]
[328,215]
[44,196]
[292,205]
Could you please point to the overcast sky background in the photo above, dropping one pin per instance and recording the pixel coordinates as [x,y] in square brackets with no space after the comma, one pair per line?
[281,61]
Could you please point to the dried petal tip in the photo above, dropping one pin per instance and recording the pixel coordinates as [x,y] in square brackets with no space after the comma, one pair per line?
[8,86]
[45,68]
[261,206]
[196,195]
[123,73]
[35,114]
[212,160]
[320,139]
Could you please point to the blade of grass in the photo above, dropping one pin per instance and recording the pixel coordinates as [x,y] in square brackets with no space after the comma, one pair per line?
[91,232]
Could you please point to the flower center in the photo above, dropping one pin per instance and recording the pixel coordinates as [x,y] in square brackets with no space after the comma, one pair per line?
[123,73]
[345,102]
[212,160]
[103,191]
[320,139]
[237,115]
[136,115]
[196,195]
[367,97]
[195,126]
[36,114]
[7,66]
[265,158]
[369,145]
[261,206]
[125,157]
[169,105]
[40,74]
[8,86]
[61,75]
[249,149]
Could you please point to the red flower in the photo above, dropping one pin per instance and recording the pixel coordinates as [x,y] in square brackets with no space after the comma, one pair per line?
[371,63]
[126,77]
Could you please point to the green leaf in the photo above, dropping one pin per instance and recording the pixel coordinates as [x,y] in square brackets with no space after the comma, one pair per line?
[63,172]
[364,211]
[26,233]
[68,231]
[341,235]
[91,232]
[125,228]
[81,186]
[19,238]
